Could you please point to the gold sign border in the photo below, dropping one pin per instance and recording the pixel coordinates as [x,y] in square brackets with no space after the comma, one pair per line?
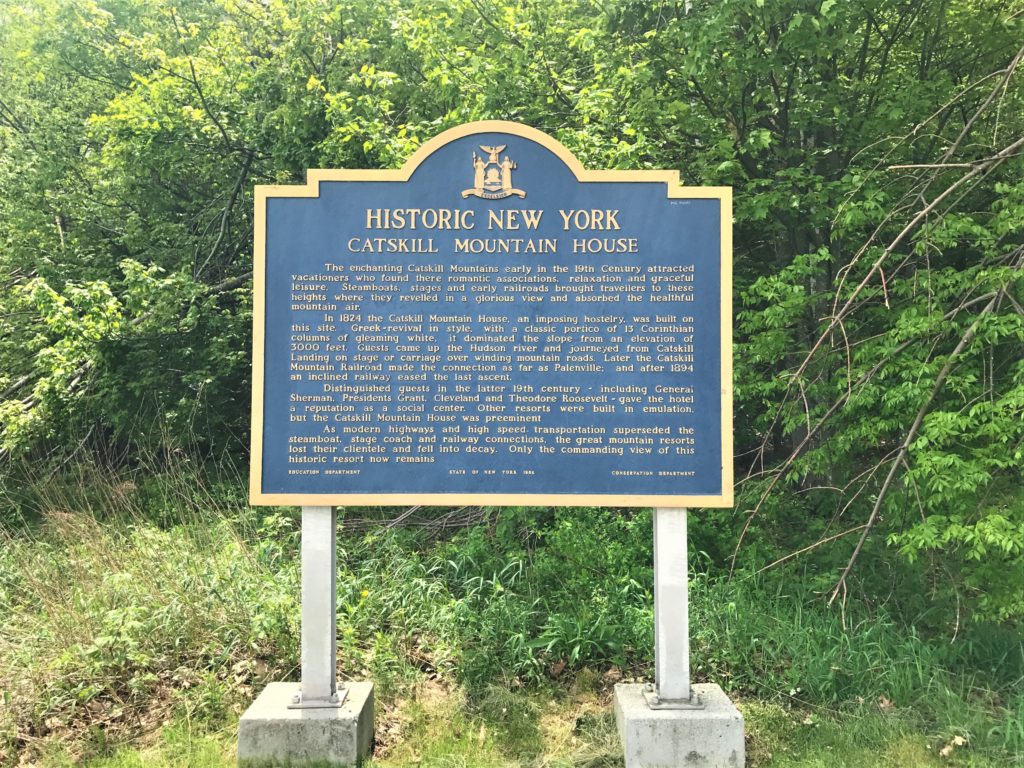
[312,189]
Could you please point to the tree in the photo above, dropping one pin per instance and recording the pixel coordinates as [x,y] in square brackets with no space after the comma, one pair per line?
[874,148]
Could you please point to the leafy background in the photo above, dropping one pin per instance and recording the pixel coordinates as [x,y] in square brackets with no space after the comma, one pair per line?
[875,148]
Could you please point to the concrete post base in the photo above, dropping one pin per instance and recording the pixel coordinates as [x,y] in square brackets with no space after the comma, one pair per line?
[711,737]
[270,734]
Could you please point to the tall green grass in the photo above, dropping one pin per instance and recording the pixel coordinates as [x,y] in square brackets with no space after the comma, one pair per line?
[118,596]
[130,599]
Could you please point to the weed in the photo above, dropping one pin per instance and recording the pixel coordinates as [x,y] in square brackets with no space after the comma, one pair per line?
[131,601]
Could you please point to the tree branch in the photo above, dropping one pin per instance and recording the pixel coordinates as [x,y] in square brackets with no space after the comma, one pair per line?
[246,166]
[940,380]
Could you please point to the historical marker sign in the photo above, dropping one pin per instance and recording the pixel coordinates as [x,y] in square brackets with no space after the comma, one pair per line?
[492,324]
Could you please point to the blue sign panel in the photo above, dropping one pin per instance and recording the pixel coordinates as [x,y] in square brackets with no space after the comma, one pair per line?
[492,324]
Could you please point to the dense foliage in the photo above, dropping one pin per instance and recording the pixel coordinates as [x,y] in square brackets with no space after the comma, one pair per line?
[875,149]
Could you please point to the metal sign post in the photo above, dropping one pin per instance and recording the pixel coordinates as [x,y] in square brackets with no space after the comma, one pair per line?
[671,722]
[313,721]
[319,687]
[671,689]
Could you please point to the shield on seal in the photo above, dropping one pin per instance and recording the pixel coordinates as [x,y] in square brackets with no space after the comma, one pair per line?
[492,178]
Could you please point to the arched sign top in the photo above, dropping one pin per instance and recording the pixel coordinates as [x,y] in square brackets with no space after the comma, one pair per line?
[481,127]
[492,323]
[497,126]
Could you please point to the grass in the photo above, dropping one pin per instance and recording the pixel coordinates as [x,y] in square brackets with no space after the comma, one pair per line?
[142,613]
[566,727]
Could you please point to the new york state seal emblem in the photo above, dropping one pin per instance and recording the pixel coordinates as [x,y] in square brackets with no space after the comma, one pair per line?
[492,178]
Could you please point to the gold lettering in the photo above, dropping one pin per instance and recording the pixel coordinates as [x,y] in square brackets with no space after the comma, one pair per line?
[532,218]
[592,219]
[413,218]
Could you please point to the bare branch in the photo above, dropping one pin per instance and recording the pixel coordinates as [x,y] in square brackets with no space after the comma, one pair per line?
[813,546]
[940,380]
[226,213]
